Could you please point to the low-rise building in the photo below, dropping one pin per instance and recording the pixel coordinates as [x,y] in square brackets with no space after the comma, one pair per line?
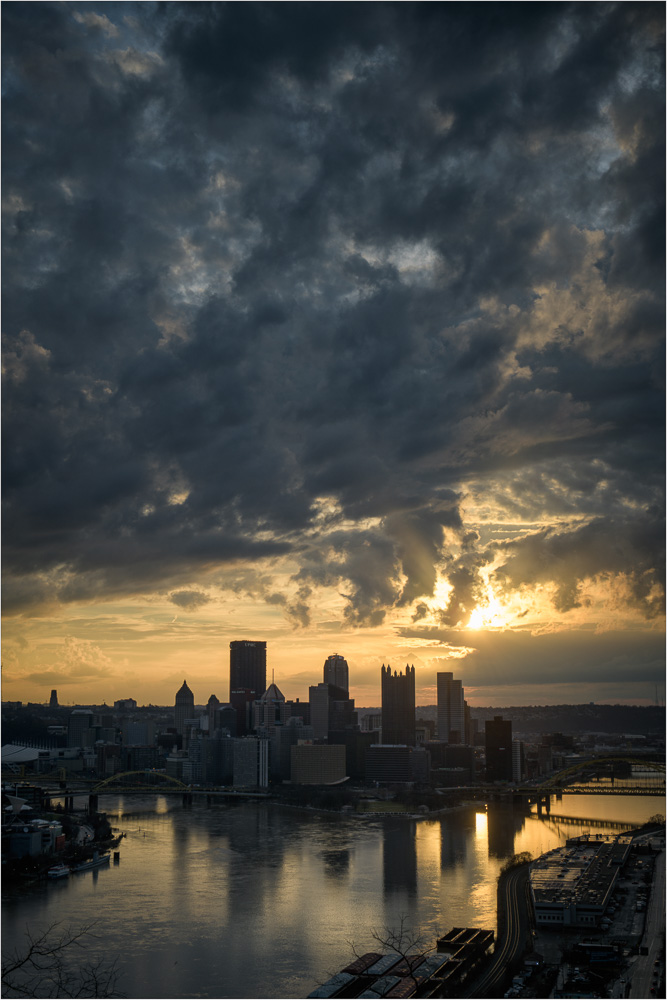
[397,764]
[572,886]
[317,763]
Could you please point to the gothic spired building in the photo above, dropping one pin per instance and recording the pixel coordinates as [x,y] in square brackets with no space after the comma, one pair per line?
[398,706]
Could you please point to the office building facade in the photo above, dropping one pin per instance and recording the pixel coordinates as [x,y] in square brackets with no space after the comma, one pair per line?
[330,709]
[356,744]
[317,764]
[281,741]
[247,666]
[251,763]
[498,747]
[397,764]
[225,719]
[518,760]
[451,715]
[247,679]
[80,732]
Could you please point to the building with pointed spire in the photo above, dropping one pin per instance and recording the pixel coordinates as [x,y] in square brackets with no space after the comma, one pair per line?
[184,707]
[398,706]
[270,710]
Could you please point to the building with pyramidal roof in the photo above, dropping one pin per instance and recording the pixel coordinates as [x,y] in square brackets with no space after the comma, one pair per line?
[184,707]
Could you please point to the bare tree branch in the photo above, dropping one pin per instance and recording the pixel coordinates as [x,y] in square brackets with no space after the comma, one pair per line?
[405,941]
[47,966]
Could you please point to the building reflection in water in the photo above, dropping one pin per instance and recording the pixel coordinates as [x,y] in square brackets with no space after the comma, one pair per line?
[399,856]
[454,838]
[336,863]
[505,821]
[256,838]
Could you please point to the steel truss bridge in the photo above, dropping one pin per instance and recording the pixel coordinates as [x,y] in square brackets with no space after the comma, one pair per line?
[647,777]
[583,821]
[652,788]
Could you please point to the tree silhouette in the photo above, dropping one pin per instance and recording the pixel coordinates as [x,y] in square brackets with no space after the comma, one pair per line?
[406,942]
[48,966]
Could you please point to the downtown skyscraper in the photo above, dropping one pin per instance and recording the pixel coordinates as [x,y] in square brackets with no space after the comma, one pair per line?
[247,679]
[398,706]
[247,666]
[451,714]
[336,672]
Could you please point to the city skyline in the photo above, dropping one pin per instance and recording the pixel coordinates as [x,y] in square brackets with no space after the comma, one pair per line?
[338,327]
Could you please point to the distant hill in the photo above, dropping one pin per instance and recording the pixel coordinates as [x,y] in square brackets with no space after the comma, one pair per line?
[636,719]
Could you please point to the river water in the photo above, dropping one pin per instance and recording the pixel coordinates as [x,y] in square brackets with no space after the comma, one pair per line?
[259,900]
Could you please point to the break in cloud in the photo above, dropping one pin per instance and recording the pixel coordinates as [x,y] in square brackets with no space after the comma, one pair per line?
[369,291]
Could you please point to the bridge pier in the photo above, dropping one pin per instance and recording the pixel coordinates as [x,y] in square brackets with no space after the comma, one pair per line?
[187,798]
[92,802]
[69,803]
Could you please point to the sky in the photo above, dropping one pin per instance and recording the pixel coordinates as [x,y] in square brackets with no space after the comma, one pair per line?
[338,326]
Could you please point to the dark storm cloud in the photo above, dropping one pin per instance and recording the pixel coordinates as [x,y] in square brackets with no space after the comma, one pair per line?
[633,546]
[570,657]
[189,600]
[265,258]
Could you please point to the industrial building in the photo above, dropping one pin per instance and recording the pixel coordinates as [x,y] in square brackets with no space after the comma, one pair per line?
[572,886]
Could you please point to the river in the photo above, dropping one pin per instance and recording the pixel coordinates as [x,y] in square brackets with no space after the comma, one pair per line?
[260,900]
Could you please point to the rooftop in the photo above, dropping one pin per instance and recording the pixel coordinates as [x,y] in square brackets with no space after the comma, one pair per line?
[580,873]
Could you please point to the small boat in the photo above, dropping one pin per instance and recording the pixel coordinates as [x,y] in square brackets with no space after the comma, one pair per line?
[58,871]
[97,861]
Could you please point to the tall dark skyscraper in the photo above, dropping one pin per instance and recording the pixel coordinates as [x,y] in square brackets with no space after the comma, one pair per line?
[498,743]
[247,666]
[398,706]
[336,672]
[247,679]
[450,709]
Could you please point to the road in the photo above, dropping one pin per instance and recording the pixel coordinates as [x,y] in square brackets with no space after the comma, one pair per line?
[511,941]
[648,969]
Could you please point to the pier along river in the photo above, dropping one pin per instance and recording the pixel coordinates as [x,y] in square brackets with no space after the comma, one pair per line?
[260,900]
